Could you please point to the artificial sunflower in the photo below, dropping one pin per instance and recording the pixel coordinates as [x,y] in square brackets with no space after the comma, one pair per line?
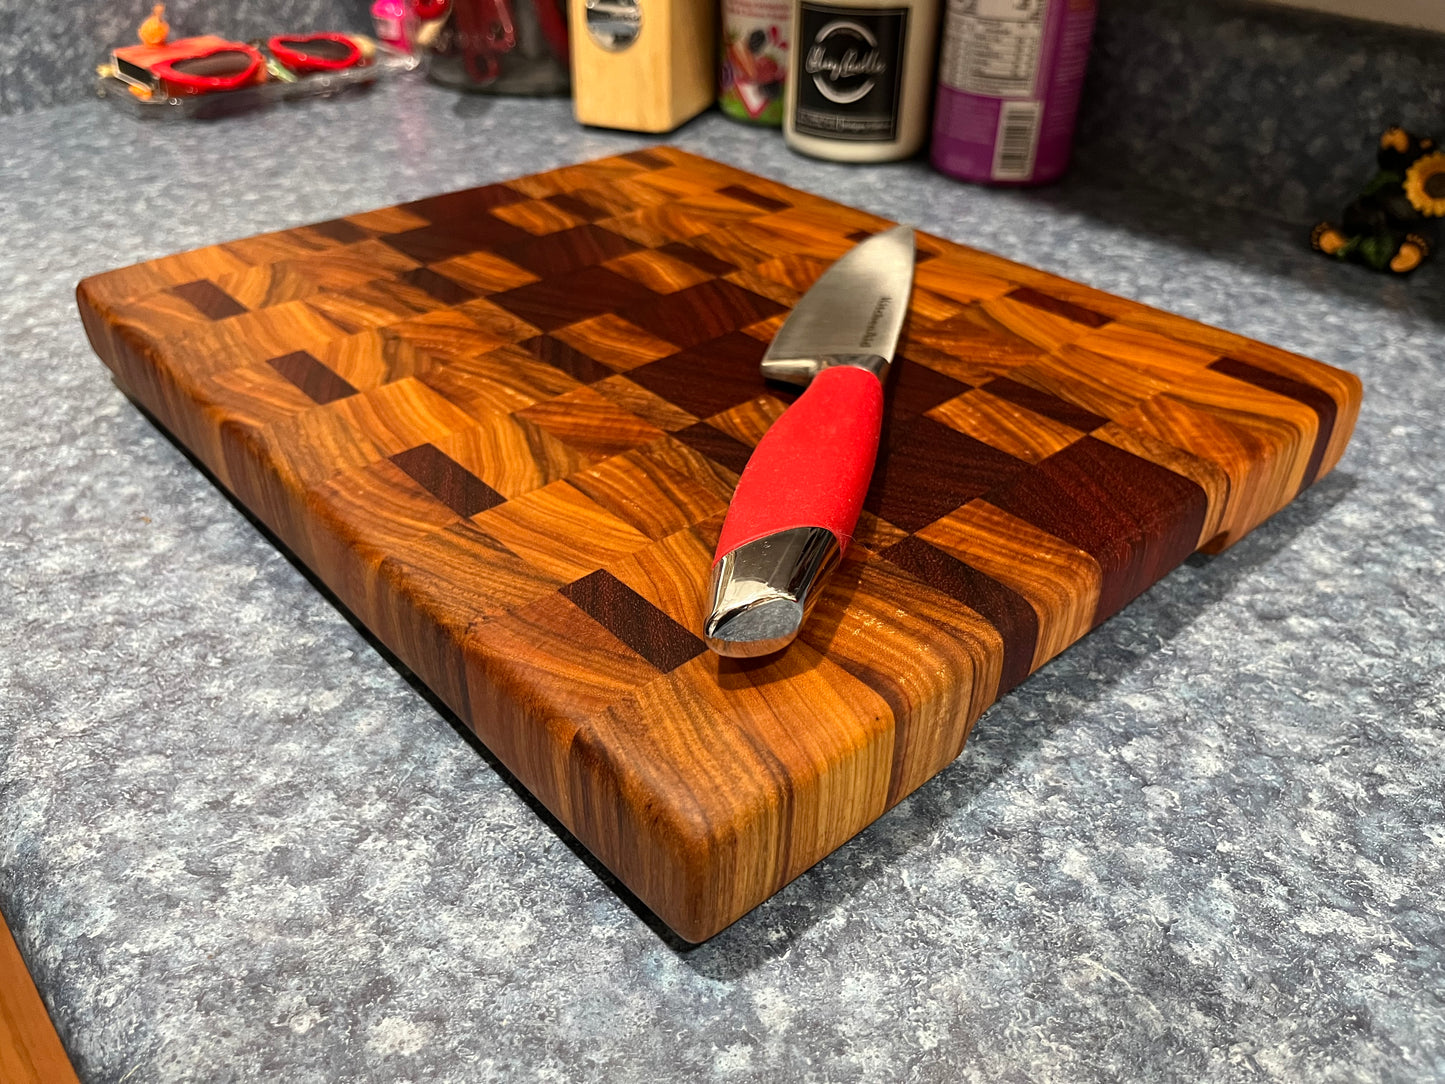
[1387,226]
[1425,185]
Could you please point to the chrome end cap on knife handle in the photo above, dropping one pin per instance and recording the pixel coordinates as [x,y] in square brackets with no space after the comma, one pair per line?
[762,592]
[798,500]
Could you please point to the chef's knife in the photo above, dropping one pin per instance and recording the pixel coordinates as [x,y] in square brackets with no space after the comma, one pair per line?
[797,502]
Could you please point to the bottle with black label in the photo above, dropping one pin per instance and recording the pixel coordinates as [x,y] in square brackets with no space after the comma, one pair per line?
[860,78]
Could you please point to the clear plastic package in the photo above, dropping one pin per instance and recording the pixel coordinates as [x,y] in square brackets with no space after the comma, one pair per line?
[386,63]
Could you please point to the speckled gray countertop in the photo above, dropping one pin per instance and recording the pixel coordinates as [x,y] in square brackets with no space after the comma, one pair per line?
[1206,843]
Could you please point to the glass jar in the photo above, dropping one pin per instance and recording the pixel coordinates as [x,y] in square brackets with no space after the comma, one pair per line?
[501,47]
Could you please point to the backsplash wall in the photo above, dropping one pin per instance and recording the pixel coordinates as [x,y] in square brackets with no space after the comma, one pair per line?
[1220,101]
[1271,109]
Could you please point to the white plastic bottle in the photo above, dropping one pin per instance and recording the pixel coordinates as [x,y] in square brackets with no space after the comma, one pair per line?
[860,78]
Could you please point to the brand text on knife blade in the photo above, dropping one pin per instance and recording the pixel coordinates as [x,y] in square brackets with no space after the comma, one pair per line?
[870,331]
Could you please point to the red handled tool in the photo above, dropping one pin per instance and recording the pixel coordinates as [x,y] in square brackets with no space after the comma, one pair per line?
[793,513]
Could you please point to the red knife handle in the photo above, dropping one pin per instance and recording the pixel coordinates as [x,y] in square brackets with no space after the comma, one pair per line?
[812,468]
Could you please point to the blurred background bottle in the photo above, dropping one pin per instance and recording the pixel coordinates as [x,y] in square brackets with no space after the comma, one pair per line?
[754,62]
[860,77]
[1009,78]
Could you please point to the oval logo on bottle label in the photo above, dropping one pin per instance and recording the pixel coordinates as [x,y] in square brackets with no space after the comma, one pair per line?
[850,71]
[844,61]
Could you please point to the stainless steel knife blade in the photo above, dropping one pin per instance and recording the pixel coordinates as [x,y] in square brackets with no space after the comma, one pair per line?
[855,309]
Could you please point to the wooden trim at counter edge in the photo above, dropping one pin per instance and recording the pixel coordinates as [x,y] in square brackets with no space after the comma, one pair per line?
[30,1050]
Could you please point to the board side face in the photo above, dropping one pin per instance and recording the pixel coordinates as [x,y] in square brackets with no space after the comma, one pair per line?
[503,425]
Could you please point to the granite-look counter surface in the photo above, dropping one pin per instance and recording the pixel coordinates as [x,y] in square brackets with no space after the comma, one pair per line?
[1205,843]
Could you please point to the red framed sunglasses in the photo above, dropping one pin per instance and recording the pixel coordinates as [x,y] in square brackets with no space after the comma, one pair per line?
[305,54]
[225,67]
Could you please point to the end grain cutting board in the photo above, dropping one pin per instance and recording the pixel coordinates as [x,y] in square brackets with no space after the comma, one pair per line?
[503,426]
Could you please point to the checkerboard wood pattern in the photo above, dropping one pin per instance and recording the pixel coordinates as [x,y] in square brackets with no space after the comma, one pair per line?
[503,426]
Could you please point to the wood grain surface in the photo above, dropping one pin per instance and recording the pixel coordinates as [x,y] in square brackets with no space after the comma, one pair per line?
[503,426]
[30,1051]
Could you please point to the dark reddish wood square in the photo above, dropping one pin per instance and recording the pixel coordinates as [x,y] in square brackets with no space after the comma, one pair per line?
[928,469]
[442,241]
[340,231]
[710,378]
[577,207]
[747,195]
[447,480]
[565,299]
[209,299]
[1135,518]
[447,291]
[1315,398]
[454,208]
[567,250]
[1059,307]
[914,389]
[634,620]
[718,446]
[703,261]
[312,377]
[1045,403]
[645,159]
[1001,606]
[702,312]
[567,358]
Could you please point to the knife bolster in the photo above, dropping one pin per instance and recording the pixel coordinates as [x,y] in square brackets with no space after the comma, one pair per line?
[801,371]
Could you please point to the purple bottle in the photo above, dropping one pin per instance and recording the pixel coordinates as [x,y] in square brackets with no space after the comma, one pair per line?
[1009,79]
